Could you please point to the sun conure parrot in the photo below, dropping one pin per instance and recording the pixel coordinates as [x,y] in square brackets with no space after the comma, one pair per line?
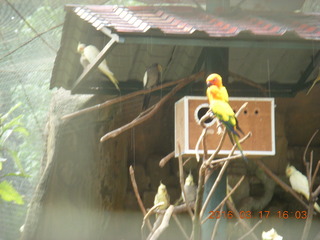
[299,183]
[162,196]
[190,189]
[218,100]
[88,55]
[151,78]
[216,88]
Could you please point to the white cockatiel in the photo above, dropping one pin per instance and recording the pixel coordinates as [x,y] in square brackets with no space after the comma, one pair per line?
[190,189]
[299,183]
[162,196]
[271,235]
[88,55]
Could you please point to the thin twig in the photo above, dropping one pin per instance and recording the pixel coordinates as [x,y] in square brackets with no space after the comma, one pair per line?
[215,228]
[164,224]
[166,159]
[128,96]
[226,197]
[315,173]
[222,160]
[243,223]
[181,176]
[180,226]
[308,144]
[280,182]
[213,188]
[143,118]
[136,192]
[203,133]
[251,230]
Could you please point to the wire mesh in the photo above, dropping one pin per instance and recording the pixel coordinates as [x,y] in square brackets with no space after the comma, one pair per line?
[30,34]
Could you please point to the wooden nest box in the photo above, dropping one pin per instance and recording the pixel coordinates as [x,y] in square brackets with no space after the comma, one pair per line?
[257,117]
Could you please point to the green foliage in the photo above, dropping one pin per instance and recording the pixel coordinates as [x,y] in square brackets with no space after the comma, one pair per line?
[9,194]
[8,128]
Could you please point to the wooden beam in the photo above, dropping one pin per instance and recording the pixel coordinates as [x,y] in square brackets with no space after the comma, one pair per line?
[313,65]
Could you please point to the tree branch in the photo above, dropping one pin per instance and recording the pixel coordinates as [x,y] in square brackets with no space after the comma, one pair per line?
[141,119]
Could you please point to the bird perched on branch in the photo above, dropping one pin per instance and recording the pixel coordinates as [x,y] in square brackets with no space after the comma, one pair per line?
[190,189]
[162,196]
[216,88]
[299,183]
[218,99]
[89,54]
[151,78]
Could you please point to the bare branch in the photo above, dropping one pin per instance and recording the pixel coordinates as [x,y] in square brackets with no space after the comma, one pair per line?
[180,227]
[143,118]
[226,197]
[131,95]
[164,224]
[213,188]
[181,176]
[215,228]
[315,173]
[243,223]
[166,159]
[251,230]
[136,192]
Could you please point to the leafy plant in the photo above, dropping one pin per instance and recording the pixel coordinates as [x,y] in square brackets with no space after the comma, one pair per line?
[7,129]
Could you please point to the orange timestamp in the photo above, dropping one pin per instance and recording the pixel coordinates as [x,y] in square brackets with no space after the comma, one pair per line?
[258,215]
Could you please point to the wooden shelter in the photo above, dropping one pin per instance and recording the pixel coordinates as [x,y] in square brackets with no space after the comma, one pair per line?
[259,54]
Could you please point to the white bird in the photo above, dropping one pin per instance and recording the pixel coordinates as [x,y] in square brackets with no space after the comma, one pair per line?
[271,235]
[151,78]
[299,183]
[190,189]
[89,54]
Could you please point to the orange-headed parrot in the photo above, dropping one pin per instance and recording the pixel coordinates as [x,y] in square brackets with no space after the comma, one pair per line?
[215,89]
[218,99]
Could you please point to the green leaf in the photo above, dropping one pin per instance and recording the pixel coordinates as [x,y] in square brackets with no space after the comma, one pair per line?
[9,194]
[16,160]
[5,116]
[21,130]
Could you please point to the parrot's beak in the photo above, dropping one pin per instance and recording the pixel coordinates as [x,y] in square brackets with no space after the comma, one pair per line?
[209,84]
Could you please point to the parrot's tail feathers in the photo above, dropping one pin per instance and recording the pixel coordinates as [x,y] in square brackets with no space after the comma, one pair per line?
[146,100]
[114,81]
[238,127]
[112,78]
[236,140]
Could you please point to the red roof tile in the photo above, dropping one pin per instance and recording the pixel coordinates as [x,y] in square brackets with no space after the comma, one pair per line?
[182,20]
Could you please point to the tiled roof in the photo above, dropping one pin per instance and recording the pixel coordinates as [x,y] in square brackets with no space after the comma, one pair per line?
[193,22]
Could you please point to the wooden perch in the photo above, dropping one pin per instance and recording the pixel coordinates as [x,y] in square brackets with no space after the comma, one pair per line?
[140,119]
[122,98]
[136,192]
[164,224]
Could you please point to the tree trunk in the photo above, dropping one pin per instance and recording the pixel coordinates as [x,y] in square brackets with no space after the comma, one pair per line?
[82,177]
